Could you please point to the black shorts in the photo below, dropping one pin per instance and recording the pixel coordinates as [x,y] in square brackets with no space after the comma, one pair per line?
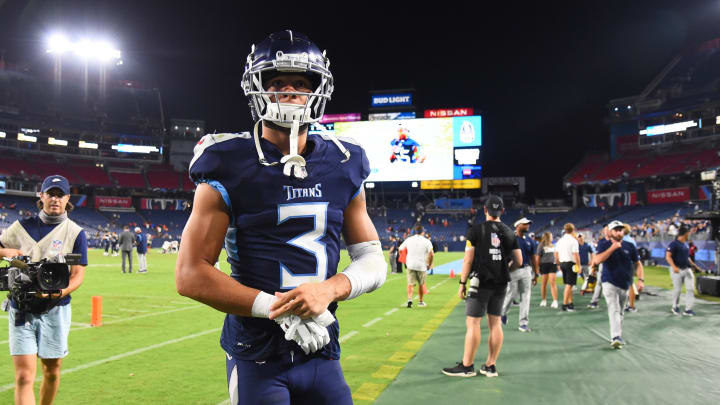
[569,276]
[488,300]
[548,268]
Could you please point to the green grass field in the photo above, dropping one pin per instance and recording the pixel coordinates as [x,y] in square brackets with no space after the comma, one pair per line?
[156,347]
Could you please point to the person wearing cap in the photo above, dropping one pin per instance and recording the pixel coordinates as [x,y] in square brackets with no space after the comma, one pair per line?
[141,246]
[491,252]
[43,331]
[567,256]
[418,260]
[620,261]
[586,253]
[678,258]
[632,292]
[127,241]
[523,278]
[597,269]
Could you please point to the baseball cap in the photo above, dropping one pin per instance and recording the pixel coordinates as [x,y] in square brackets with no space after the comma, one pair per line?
[616,224]
[137,229]
[55,181]
[494,205]
[522,221]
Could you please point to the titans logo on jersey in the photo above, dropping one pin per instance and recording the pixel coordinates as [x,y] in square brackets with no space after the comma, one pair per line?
[283,231]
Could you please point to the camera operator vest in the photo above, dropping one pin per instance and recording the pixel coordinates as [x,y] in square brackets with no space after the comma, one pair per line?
[59,241]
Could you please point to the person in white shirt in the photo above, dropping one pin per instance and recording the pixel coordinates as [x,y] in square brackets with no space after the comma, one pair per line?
[418,260]
[567,257]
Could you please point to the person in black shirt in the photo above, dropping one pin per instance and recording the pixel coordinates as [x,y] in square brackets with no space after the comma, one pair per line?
[490,248]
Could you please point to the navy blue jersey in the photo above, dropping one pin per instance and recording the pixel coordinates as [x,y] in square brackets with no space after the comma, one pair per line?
[38,229]
[584,251]
[680,254]
[141,239]
[527,248]
[618,269]
[283,231]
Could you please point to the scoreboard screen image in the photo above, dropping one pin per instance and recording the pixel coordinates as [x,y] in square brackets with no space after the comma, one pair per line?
[419,149]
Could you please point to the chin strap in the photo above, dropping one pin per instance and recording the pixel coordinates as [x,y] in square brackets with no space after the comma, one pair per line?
[294,163]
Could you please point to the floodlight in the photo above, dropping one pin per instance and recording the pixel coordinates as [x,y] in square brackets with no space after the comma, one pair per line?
[58,44]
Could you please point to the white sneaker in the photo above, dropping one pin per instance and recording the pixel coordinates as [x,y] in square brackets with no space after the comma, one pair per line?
[543,303]
[422,304]
[554,304]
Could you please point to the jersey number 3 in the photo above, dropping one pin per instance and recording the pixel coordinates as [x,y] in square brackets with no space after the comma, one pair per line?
[309,241]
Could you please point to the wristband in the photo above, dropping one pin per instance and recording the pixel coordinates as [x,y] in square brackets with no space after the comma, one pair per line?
[641,279]
[463,282]
[261,305]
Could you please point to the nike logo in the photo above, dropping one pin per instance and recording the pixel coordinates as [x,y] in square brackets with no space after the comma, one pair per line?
[229,357]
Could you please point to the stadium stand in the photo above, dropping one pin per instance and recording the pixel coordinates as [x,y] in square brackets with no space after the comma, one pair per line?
[163,177]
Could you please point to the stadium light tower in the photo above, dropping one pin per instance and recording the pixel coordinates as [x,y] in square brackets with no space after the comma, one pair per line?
[101,52]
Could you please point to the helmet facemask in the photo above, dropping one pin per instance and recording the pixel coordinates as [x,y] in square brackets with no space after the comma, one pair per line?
[287,53]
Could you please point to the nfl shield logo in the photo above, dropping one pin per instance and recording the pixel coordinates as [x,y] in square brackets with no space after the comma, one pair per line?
[494,240]
[56,245]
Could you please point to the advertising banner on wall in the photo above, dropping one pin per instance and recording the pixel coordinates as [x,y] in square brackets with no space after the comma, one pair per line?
[113,202]
[668,195]
[608,200]
[167,204]
[348,117]
[448,112]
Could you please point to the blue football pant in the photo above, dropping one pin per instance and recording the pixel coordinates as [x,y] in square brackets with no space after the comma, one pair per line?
[293,378]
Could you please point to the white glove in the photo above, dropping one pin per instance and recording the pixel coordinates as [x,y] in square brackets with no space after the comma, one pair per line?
[297,330]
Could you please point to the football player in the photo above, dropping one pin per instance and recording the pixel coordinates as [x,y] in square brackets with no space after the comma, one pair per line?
[278,201]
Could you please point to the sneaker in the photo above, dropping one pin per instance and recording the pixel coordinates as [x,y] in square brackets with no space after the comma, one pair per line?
[689,312]
[554,304]
[409,305]
[571,307]
[593,305]
[422,304]
[460,371]
[630,309]
[543,303]
[515,303]
[676,310]
[617,342]
[503,319]
[564,307]
[488,371]
[524,328]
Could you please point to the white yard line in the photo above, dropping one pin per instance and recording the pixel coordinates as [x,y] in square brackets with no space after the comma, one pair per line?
[372,322]
[390,312]
[10,386]
[347,336]
[132,310]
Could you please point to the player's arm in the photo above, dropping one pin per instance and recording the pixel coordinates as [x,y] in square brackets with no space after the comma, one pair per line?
[431,256]
[466,267]
[202,239]
[576,256]
[602,256]
[640,272]
[366,272]
[671,262]
[516,259]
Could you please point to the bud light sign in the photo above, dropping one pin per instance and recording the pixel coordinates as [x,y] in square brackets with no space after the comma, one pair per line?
[388,100]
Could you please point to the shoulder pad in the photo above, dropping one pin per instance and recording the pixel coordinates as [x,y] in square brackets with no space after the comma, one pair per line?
[212,139]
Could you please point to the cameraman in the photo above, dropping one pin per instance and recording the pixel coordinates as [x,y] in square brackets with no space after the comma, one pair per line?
[490,253]
[43,331]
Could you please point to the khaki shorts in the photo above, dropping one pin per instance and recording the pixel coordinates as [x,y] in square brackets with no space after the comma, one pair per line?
[415,275]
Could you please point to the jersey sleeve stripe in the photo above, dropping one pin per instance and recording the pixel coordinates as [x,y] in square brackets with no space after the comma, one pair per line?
[223,192]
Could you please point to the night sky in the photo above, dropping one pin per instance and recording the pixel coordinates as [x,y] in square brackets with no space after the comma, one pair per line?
[542,73]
